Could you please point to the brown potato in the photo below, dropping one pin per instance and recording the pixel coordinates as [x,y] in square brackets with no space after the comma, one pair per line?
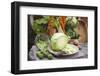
[75,42]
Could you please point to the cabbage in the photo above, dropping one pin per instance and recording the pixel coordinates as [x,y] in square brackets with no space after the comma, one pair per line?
[59,41]
[70,49]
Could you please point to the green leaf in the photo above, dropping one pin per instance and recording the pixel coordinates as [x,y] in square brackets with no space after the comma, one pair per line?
[39,24]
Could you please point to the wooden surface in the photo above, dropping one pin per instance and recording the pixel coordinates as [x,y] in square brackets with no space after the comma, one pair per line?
[83,29]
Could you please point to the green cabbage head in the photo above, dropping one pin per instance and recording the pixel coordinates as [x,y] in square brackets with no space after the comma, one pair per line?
[59,41]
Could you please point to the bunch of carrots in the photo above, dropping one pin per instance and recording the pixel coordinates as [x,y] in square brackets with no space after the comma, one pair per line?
[51,29]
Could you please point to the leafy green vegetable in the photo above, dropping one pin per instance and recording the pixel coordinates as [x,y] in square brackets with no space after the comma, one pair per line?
[56,22]
[72,21]
[47,54]
[40,25]
[72,34]
[58,41]
[41,44]
[72,24]
[40,55]
[50,56]
[70,49]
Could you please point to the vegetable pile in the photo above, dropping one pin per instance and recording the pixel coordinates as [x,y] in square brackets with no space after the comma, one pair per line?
[43,52]
[59,43]
[59,30]
[42,44]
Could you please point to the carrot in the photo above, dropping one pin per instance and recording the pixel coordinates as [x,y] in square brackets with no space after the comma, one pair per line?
[63,22]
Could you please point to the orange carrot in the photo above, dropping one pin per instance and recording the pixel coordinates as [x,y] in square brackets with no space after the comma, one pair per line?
[63,22]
